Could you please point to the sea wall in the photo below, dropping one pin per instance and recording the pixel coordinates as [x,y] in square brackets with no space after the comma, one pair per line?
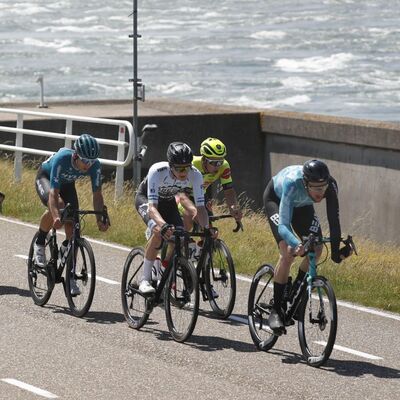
[362,155]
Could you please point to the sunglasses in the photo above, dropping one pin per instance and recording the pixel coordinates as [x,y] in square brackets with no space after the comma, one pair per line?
[215,163]
[87,161]
[317,189]
[184,168]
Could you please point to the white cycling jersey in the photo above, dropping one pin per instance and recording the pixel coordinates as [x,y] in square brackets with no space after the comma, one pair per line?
[162,184]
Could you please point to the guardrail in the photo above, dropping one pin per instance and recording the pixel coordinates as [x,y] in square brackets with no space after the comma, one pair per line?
[123,126]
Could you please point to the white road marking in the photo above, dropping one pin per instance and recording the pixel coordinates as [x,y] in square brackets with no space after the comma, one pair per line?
[351,351]
[242,278]
[30,388]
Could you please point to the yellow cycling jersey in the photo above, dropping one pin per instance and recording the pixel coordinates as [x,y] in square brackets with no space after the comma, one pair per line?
[223,174]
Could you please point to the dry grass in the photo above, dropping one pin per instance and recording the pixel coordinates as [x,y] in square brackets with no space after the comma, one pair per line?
[371,279]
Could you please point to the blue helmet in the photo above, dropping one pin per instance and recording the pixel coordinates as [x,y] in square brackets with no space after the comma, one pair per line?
[86,146]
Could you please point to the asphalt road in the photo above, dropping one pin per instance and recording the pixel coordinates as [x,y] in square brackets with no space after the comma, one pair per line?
[47,353]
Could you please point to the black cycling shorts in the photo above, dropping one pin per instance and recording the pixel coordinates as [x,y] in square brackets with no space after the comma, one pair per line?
[168,209]
[67,191]
[304,220]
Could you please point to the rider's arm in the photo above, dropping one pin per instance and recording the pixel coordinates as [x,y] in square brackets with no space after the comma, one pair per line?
[231,201]
[285,215]
[53,204]
[332,209]
[98,205]
[202,216]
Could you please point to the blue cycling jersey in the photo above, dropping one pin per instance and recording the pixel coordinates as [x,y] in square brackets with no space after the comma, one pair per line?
[61,170]
[289,188]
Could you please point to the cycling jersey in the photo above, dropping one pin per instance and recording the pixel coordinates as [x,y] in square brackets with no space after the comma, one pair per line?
[162,185]
[290,189]
[223,173]
[61,170]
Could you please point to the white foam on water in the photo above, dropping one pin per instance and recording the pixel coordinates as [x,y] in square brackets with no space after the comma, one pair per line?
[175,87]
[72,50]
[315,64]
[261,35]
[296,82]
[54,44]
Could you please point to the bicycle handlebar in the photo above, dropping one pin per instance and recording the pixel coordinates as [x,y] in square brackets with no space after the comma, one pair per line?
[310,241]
[69,211]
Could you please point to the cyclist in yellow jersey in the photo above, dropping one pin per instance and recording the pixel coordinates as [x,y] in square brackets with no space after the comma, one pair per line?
[213,166]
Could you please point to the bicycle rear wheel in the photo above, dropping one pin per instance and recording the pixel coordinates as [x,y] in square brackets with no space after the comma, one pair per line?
[220,279]
[84,276]
[181,299]
[133,302]
[318,322]
[259,308]
[41,280]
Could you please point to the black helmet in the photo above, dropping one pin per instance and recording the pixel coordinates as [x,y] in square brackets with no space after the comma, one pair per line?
[315,171]
[179,153]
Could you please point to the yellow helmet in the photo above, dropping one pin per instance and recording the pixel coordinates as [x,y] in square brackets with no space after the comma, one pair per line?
[212,147]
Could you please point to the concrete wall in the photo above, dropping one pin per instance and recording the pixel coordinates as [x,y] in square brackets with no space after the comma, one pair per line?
[363,156]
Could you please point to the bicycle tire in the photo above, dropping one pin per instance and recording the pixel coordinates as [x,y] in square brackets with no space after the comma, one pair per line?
[133,303]
[85,277]
[317,329]
[41,280]
[259,308]
[181,299]
[220,280]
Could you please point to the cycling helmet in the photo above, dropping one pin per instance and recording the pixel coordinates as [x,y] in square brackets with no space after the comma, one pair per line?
[86,146]
[212,147]
[315,171]
[179,153]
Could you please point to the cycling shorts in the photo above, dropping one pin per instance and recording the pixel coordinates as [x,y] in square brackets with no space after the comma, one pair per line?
[67,191]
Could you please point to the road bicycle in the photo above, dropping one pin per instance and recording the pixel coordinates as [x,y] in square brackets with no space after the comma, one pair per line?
[312,303]
[177,290]
[77,258]
[216,270]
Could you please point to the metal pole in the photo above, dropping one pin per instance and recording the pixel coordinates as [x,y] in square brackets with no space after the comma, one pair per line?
[136,162]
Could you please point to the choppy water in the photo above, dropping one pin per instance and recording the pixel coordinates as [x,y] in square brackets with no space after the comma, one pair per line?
[321,56]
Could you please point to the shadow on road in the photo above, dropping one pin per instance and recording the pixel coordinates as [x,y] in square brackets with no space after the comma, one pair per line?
[352,368]
[4,290]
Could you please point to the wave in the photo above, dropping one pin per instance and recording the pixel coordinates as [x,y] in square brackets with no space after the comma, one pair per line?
[315,64]
[268,35]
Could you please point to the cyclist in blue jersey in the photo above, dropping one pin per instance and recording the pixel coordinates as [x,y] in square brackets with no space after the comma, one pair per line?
[288,203]
[55,185]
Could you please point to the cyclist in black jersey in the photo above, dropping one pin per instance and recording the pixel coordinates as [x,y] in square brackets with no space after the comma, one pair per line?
[156,204]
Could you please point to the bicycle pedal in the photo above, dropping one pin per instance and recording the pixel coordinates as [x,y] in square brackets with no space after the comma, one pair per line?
[290,322]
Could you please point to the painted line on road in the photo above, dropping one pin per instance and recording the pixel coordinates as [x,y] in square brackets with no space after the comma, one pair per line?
[99,278]
[30,388]
[336,347]
[367,310]
[351,351]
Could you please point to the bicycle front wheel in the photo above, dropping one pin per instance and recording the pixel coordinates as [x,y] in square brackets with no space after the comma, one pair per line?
[133,302]
[41,280]
[317,323]
[220,280]
[259,308]
[181,299]
[80,284]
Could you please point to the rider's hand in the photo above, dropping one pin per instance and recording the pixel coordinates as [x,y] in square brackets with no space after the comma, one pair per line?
[167,231]
[57,223]
[343,253]
[297,251]
[102,227]
[236,212]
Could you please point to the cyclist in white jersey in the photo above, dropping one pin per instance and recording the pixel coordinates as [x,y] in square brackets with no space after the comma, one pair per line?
[155,201]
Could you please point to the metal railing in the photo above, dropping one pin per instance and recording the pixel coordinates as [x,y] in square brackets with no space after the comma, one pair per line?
[121,161]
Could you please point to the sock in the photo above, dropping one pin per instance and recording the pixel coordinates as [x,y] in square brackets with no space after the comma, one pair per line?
[41,239]
[147,266]
[279,288]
